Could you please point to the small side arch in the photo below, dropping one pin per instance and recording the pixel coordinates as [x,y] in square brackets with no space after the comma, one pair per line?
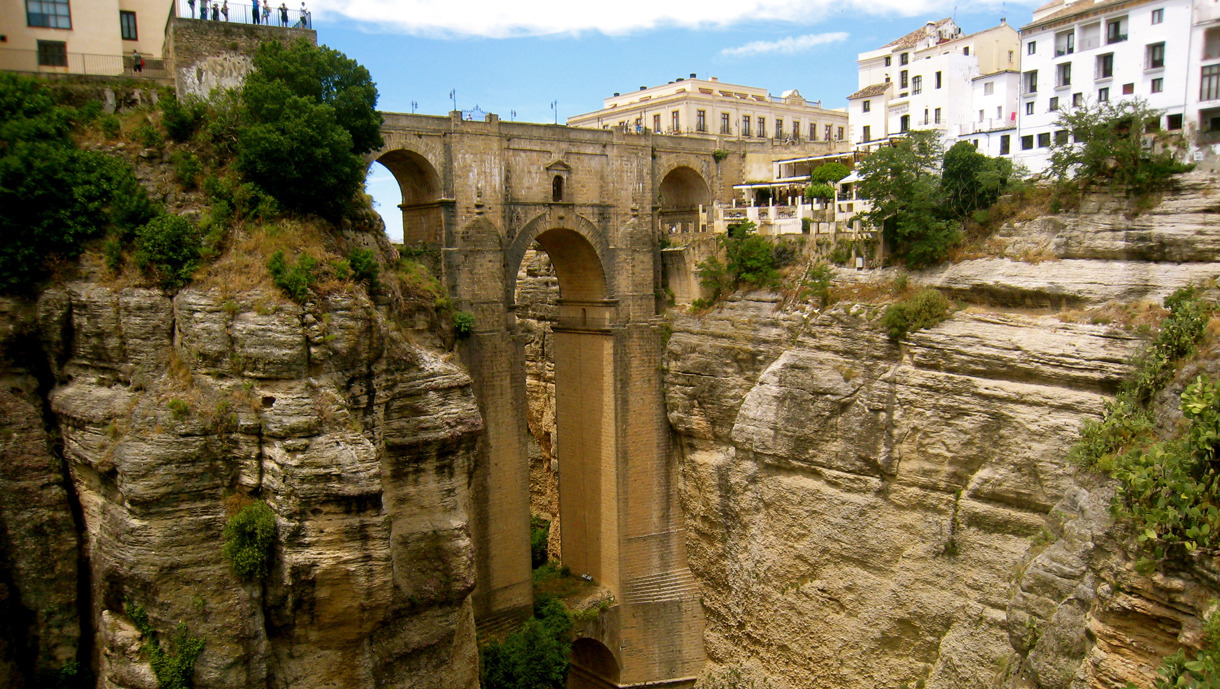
[578,250]
[420,185]
[593,665]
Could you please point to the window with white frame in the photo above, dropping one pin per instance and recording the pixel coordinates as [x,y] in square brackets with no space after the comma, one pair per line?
[1209,86]
[1154,57]
[1105,66]
[916,84]
[1031,48]
[1029,108]
[936,116]
[1116,30]
[989,88]
[1030,79]
[1065,43]
[1157,86]
[1158,15]
[1063,75]
[866,106]
[1103,94]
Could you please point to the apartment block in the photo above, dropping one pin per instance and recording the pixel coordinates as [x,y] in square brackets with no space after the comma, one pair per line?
[72,36]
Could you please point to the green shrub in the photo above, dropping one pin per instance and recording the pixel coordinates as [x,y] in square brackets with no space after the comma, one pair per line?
[182,118]
[536,657]
[924,309]
[819,191]
[1203,672]
[364,267]
[174,668]
[178,408]
[187,168]
[719,154]
[463,324]
[828,173]
[816,284]
[296,279]
[168,248]
[249,538]
[540,530]
[111,127]
[149,136]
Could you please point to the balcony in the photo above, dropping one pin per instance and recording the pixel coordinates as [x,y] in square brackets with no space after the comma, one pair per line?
[84,63]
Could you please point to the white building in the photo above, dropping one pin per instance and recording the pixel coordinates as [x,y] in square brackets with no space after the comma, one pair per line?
[1166,52]
[937,78]
[709,107]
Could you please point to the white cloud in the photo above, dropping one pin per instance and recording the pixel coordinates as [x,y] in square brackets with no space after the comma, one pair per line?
[508,18]
[786,46]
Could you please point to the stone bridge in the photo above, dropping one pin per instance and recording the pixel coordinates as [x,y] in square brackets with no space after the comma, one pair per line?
[484,193]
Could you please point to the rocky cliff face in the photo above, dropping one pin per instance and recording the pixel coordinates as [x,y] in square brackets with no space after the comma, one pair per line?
[173,412]
[869,514]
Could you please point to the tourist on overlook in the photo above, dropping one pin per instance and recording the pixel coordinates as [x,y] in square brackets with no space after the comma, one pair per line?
[266,12]
[215,11]
[304,16]
[203,9]
[283,14]
[191,4]
[255,11]
[224,9]
[137,62]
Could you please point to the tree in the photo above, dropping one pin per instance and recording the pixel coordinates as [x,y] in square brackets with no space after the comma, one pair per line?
[828,173]
[309,114]
[970,180]
[903,184]
[1105,142]
[55,196]
[536,657]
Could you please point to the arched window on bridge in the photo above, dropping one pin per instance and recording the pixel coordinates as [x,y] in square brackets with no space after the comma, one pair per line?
[557,189]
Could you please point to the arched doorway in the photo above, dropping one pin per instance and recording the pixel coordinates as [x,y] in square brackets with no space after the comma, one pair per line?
[683,195]
[420,186]
[593,666]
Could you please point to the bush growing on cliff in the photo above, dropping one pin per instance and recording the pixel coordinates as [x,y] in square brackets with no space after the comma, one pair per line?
[536,657]
[55,197]
[924,309]
[540,531]
[168,248]
[174,667]
[249,538]
[1203,672]
[750,260]
[309,114]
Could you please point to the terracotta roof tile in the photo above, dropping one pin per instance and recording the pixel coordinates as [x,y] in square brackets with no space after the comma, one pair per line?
[909,40]
[870,91]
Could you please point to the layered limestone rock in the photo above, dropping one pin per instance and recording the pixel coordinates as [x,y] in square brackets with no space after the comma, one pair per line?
[856,508]
[175,412]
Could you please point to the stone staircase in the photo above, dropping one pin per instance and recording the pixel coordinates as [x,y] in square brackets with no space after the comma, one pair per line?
[677,584]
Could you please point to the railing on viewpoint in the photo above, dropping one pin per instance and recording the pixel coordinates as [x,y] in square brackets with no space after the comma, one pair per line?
[271,15]
[82,63]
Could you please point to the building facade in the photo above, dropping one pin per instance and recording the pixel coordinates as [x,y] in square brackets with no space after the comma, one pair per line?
[1085,52]
[697,107]
[70,36]
[937,78]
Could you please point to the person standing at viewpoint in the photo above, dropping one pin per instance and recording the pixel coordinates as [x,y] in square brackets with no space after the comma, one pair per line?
[255,11]
[283,14]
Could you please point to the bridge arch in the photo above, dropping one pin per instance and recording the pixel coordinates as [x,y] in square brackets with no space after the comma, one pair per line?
[421,189]
[579,251]
[593,665]
[681,195]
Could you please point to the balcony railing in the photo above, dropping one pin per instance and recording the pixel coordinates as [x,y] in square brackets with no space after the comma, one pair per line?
[244,14]
[83,63]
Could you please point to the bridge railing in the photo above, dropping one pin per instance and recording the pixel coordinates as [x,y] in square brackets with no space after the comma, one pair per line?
[244,14]
[15,60]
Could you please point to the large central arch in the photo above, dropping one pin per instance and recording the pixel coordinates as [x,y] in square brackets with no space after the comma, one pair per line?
[684,194]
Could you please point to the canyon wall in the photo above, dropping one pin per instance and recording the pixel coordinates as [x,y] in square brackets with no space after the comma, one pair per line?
[863,513]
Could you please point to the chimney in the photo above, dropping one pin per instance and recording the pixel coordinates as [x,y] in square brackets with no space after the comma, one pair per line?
[716,79]
[616,94]
[692,75]
[642,88]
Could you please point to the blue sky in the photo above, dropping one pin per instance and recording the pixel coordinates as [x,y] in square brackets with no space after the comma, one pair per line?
[505,56]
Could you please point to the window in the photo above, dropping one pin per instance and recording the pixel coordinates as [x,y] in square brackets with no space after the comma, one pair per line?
[989,88]
[1061,137]
[779,128]
[127,25]
[925,115]
[827,132]
[1044,140]
[1077,100]
[1209,87]
[938,80]
[796,130]
[724,123]
[1155,56]
[48,14]
[904,58]
[656,123]
[52,54]
[676,122]
[1027,142]
[1031,82]
[1116,30]
[868,134]
[1054,105]
[1005,144]
[1063,75]
[762,127]
[904,123]
[866,106]
[916,85]
[840,137]
[903,79]
[1105,66]
[701,120]
[1158,16]
[887,60]
[936,116]
[1031,48]
[1158,85]
[1065,43]
[1173,122]
[1029,108]
[745,125]
[980,114]
[966,50]
[1128,89]
[557,189]
[813,131]
[999,112]
[1103,95]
